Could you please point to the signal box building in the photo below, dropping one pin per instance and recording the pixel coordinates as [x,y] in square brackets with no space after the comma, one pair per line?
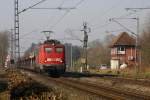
[123,51]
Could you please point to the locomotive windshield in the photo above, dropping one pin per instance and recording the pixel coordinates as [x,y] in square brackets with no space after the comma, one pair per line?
[48,50]
[59,50]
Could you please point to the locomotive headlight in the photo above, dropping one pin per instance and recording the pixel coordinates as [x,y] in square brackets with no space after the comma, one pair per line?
[49,59]
[59,59]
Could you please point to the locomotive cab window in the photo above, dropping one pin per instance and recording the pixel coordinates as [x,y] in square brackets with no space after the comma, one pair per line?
[48,50]
[59,50]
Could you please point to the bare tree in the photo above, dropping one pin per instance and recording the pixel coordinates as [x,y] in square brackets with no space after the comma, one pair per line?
[145,47]
[99,51]
[4,45]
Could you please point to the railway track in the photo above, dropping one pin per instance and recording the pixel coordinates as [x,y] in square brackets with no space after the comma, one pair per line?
[103,90]
[93,88]
[116,78]
[142,82]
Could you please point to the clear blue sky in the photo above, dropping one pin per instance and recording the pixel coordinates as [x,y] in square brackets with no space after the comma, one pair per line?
[95,12]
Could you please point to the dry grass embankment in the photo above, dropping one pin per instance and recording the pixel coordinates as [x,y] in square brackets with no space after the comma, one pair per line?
[131,73]
[20,87]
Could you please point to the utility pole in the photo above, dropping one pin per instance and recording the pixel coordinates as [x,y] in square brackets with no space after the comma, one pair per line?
[138,56]
[12,44]
[85,41]
[16,31]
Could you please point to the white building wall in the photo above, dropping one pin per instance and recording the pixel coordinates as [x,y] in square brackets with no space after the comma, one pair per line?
[114,64]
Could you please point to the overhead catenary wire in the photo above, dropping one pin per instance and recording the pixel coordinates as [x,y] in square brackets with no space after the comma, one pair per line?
[102,25]
[72,35]
[52,17]
[32,6]
[79,3]
[106,12]
[58,21]
[59,8]
[106,22]
[66,12]
[63,16]
[61,4]
[96,27]
[27,34]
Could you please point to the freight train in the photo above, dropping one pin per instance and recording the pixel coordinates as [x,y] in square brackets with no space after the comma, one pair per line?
[47,57]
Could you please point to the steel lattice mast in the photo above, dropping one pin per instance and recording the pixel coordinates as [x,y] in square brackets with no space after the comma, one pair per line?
[16,31]
[12,44]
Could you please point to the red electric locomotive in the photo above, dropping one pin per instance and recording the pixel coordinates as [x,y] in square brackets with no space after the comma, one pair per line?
[46,57]
[50,57]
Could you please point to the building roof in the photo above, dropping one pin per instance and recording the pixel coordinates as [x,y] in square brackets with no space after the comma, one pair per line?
[123,39]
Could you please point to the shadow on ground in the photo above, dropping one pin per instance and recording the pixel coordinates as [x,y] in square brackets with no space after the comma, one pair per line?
[85,74]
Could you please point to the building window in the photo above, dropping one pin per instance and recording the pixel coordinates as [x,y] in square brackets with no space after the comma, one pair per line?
[121,50]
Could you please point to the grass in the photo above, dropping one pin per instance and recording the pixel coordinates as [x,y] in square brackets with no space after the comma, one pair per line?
[5,95]
[33,90]
[21,87]
[106,71]
[128,73]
